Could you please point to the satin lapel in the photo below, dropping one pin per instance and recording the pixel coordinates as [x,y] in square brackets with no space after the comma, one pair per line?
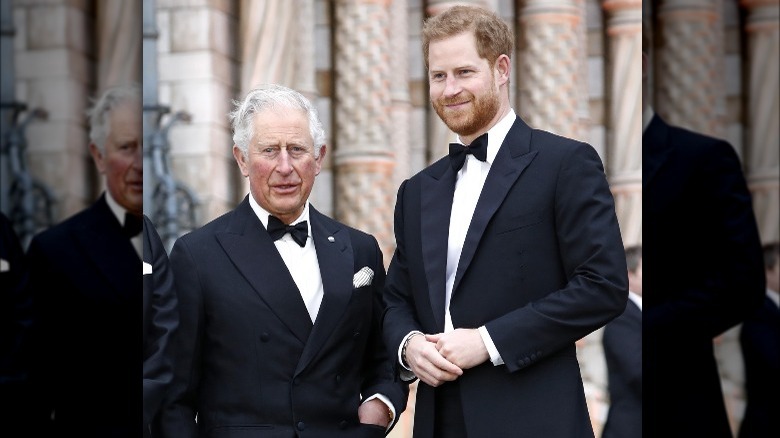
[655,149]
[336,260]
[512,158]
[438,187]
[102,241]
[254,254]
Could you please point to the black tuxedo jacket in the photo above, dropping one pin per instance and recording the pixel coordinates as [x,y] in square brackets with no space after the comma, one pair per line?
[542,266]
[760,341]
[85,283]
[15,320]
[251,363]
[160,319]
[703,273]
[622,340]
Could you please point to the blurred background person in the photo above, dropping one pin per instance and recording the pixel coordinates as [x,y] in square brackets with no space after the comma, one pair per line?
[86,289]
[702,251]
[15,321]
[622,341]
[760,341]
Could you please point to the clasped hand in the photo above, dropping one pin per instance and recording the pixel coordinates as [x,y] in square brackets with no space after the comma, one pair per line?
[442,357]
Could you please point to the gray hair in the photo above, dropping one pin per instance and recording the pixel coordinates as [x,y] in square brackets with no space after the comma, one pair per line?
[266,97]
[98,114]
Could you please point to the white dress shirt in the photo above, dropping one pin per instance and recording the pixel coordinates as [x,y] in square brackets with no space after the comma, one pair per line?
[301,261]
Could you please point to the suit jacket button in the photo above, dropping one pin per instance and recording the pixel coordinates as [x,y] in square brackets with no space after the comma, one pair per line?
[264,337]
[356,335]
[338,378]
[301,425]
[343,424]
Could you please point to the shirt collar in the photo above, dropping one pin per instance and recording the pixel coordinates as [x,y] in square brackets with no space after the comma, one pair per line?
[115,208]
[263,214]
[636,298]
[497,134]
[647,117]
[774,296]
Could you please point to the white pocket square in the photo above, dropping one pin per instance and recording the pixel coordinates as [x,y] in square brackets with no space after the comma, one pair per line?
[4,265]
[147,268]
[363,277]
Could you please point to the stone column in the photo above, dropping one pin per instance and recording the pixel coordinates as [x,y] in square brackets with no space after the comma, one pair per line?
[690,59]
[364,159]
[624,30]
[54,72]
[198,74]
[119,25]
[549,55]
[401,104]
[763,136]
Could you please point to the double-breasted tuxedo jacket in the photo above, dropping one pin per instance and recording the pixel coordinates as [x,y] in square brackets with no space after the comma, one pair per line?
[160,319]
[251,363]
[622,340]
[85,280]
[702,271]
[542,266]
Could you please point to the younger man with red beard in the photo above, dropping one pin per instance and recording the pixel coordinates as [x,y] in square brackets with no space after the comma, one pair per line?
[507,253]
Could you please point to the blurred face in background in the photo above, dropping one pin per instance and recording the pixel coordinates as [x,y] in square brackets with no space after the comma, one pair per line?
[121,159]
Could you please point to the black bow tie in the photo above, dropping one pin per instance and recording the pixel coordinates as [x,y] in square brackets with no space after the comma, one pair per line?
[299,232]
[133,225]
[458,152]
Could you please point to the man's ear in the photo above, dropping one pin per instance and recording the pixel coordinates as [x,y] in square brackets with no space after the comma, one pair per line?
[503,68]
[238,154]
[98,157]
[319,160]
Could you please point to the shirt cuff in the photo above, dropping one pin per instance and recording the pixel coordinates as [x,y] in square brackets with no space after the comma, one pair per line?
[389,405]
[401,348]
[495,357]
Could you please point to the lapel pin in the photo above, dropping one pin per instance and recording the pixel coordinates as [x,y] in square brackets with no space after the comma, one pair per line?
[331,239]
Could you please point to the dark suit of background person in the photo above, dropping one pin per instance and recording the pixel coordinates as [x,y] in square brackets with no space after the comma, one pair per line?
[84,274]
[251,361]
[760,342]
[15,321]
[542,266]
[622,340]
[702,255]
[160,319]
[704,275]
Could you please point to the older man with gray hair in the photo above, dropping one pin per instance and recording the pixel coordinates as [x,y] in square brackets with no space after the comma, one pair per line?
[280,305]
[86,284]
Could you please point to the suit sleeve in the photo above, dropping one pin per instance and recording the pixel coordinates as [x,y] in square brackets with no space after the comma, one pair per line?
[399,317]
[177,418]
[591,254]
[623,350]
[163,320]
[378,363]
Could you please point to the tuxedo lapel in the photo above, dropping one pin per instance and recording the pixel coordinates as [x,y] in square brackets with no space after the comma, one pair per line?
[512,158]
[438,188]
[103,243]
[336,260]
[254,254]
[655,149]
